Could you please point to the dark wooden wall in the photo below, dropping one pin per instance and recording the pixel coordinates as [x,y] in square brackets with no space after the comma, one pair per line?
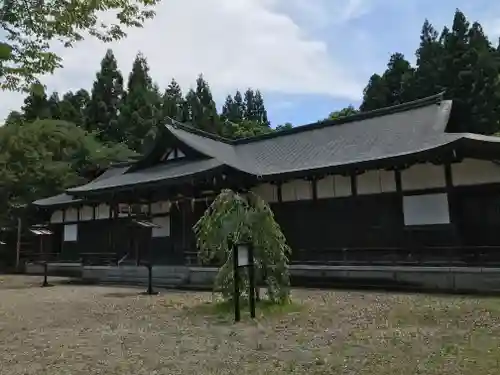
[364,221]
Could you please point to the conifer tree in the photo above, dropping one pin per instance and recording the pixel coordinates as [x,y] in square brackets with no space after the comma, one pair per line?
[36,106]
[260,115]
[249,105]
[429,72]
[239,107]
[73,107]
[53,104]
[102,110]
[204,111]
[227,109]
[141,106]
[173,102]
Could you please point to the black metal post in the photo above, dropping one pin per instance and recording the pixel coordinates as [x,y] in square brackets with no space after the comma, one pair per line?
[45,266]
[45,271]
[236,296]
[150,279]
[251,276]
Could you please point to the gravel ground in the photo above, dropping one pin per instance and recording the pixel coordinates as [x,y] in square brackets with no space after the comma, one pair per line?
[68,329]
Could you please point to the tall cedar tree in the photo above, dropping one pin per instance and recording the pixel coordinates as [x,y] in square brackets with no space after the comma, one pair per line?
[239,107]
[36,106]
[73,105]
[227,113]
[141,106]
[54,103]
[429,72]
[204,115]
[470,75]
[461,61]
[392,88]
[173,102]
[260,112]
[103,108]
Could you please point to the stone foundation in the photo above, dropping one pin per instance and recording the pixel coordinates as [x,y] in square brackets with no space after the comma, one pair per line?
[445,279]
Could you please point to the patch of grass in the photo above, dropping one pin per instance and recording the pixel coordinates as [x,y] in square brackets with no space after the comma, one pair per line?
[223,311]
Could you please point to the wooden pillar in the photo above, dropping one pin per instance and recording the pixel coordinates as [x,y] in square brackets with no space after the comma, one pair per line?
[314,187]
[279,193]
[451,197]
[18,242]
[354,184]
[406,240]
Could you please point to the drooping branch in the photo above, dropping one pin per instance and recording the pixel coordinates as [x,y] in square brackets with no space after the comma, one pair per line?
[234,217]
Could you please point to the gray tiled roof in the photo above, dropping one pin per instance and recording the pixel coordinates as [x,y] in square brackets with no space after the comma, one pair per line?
[172,170]
[64,198]
[402,130]
[406,129]
[59,199]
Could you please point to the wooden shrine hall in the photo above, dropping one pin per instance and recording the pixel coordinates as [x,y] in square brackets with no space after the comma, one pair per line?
[390,186]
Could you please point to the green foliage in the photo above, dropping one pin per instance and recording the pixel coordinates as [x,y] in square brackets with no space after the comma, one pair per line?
[203,108]
[29,27]
[173,102]
[101,112]
[284,126]
[234,217]
[140,108]
[344,112]
[460,61]
[391,88]
[244,129]
[43,157]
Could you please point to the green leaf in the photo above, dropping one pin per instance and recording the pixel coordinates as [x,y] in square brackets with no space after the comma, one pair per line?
[5,51]
[37,89]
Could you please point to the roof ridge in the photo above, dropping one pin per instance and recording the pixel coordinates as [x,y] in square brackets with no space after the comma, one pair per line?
[191,129]
[423,102]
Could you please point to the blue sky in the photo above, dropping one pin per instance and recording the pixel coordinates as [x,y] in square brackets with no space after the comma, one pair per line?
[385,27]
[308,57]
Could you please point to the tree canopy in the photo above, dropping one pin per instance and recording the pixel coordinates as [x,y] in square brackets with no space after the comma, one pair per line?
[30,27]
[461,61]
[43,157]
[234,217]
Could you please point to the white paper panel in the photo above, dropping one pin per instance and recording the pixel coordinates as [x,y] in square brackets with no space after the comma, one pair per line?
[369,183]
[86,213]
[288,192]
[268,192]
[164,230]
[342,186]
[303,189]
[71,215]
[426,209]
[387,181]
[296,190]
[70,232]
[57,217]
[325,188]
[242,255]
[423,176]
[475,172]
[102,212]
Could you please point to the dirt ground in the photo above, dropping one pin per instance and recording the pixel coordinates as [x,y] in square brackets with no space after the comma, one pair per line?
[68,329]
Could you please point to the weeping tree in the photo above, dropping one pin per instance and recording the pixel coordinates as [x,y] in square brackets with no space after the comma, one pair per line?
[232,218]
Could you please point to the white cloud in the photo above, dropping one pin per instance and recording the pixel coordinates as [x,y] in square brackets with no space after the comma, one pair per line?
[234,43]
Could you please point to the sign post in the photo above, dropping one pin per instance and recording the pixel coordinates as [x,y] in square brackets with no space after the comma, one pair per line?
[243,257]
[251,276]
[41,232]
[236,296]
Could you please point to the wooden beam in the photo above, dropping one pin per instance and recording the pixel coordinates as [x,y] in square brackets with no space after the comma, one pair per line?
[354,185]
